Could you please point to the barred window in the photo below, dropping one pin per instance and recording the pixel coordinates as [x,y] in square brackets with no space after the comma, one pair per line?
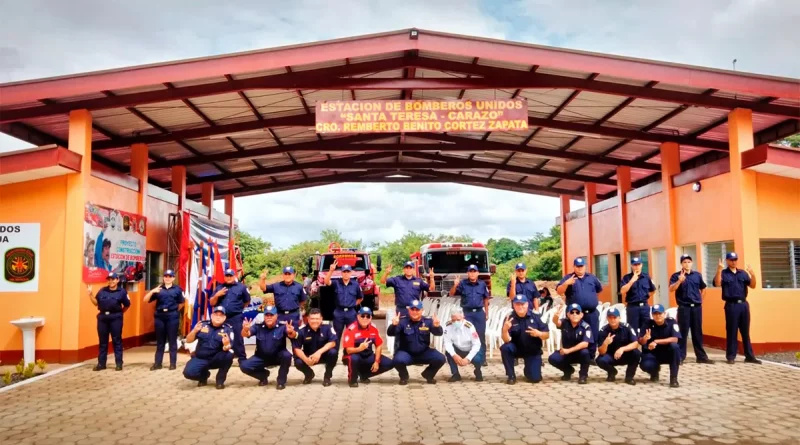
[780,264]
[601,268]
[712,253]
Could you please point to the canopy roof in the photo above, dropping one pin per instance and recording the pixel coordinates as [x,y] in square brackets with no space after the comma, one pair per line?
[245,121]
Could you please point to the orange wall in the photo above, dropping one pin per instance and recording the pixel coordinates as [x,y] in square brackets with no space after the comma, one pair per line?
[577,240]
[606,227]
[646,222]
[157,237]
[704,216]
[41,201]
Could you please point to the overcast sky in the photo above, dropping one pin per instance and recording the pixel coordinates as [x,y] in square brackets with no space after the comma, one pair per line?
[48,38]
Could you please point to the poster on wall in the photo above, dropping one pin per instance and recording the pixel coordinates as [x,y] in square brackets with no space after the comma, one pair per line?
[114,241]
[19,245]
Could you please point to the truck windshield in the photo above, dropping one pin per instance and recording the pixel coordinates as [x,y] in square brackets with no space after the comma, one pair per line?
[356,260]
[457,261]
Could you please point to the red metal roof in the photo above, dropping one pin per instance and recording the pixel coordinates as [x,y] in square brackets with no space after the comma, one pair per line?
[245,121]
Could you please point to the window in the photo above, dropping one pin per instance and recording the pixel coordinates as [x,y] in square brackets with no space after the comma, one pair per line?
[601,268]
[712,253]
[642,254]
[153,269]
[780,264]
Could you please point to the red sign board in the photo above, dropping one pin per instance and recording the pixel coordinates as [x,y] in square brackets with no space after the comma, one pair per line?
[410,116]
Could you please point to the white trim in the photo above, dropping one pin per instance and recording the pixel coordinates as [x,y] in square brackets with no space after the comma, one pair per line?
[40,377]
[783,365]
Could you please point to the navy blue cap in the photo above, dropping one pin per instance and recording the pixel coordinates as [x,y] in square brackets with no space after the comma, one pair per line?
[346,268]
[658,308]
[636,260]
[415,304]
[112,275]
[288,269]
[229,272]
[365,310]
[686,256]
[169,273]
[579,262]
[573,307]
[520,266]
[612,313]
[472,267]
[519,298]
[731,256]
[270,310]
[408,264]
[220,309]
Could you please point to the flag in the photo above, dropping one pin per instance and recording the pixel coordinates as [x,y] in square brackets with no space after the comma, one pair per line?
[219,268]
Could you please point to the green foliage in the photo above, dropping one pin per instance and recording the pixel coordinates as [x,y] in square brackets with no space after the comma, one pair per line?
[20,366]
[503,250]
[797,355]
[7,378]
[28,372]
[41,364]
[543,260]
[792,141]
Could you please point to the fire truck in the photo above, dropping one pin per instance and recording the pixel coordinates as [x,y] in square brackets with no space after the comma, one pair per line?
[449,260]
[364,271]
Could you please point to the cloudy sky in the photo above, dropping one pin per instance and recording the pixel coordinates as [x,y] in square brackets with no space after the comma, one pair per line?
[48,38]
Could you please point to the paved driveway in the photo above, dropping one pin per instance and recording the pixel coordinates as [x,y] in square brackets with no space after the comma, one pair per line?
[715,404]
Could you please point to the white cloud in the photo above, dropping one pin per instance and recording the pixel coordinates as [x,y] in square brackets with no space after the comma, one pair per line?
[49,38]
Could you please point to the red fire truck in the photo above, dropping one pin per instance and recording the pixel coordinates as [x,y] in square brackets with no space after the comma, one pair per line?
[451,259]
[363,271]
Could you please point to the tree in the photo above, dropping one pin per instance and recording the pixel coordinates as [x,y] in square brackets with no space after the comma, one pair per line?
[548,264]
[792,141]
[504,250]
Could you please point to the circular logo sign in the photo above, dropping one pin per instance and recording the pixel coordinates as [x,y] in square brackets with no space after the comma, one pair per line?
[19,265]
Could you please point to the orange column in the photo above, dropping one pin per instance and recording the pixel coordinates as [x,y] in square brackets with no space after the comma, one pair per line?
[744,208]
[179,185]
[623,187]
[590,197]
[229,211]
[670,166]
[139,170]
[74,290]
[208,197]
[564,254]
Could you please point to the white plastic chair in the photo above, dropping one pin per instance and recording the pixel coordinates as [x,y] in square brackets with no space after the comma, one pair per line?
[494,330]
[390,313]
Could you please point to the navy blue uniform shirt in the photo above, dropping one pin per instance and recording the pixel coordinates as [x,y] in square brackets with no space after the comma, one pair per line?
[623,336]
[287,297]
[168,299]
[668,329]
[112,300]
[734,285]
[346,294]
[640,291]
[689,291]
[209,339]
[269,340]
[472,294]
[571,336]
[583,291]
[407,290]
[235,300]
[526,344]
[310,341]
[528,288]
[414,336]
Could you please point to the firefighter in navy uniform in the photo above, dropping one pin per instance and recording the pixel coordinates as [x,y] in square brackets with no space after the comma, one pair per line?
[213,350]
[659,341]
[637,288]
[414,347]
[619,345]
[690,288]
[169,302]
[361,359]
[581,288]
[315,343]
[348,295]
[289,295]
[522,285]
[523,333]
[234,297]
[270,348]
[407,287]
[735,283]
[112,302]
[576,339]
[474,301]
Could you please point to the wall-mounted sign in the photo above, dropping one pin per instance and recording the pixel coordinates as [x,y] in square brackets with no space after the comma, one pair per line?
[410,116]
[19,247]
[115,241]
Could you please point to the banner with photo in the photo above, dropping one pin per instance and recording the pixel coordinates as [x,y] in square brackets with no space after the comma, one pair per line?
[114,241]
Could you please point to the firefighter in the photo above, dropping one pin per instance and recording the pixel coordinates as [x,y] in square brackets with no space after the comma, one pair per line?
[690,288]
[112,302]
[348,295]
[619,345]
[289,295]
[213,349]
[734,283]
[169,302]
[474,301]
[270,348]
[576,339]
[659,341]
[315,343]
[522,285]
[407,287]
[361,359]
[234,297]
[414,347]
[581,287]
[523,333]
[637,289]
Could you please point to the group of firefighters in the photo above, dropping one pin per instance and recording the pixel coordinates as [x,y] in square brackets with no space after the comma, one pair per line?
[648,339]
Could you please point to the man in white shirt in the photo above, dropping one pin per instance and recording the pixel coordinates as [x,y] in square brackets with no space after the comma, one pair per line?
[462,345]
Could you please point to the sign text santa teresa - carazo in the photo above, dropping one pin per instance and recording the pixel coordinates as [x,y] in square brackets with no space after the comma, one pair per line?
[409,116]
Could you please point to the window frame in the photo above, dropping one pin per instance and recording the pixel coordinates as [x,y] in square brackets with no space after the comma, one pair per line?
[793,252]
[710,264]
[596,268]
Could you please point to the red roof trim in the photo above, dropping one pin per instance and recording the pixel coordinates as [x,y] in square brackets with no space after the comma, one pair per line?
[45,157]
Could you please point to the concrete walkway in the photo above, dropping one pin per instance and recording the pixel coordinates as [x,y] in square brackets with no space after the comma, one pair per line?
[715,404]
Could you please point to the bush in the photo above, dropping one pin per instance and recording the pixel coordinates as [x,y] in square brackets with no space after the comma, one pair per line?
[20,366]
[7,378]
[28,372]
[41,364]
